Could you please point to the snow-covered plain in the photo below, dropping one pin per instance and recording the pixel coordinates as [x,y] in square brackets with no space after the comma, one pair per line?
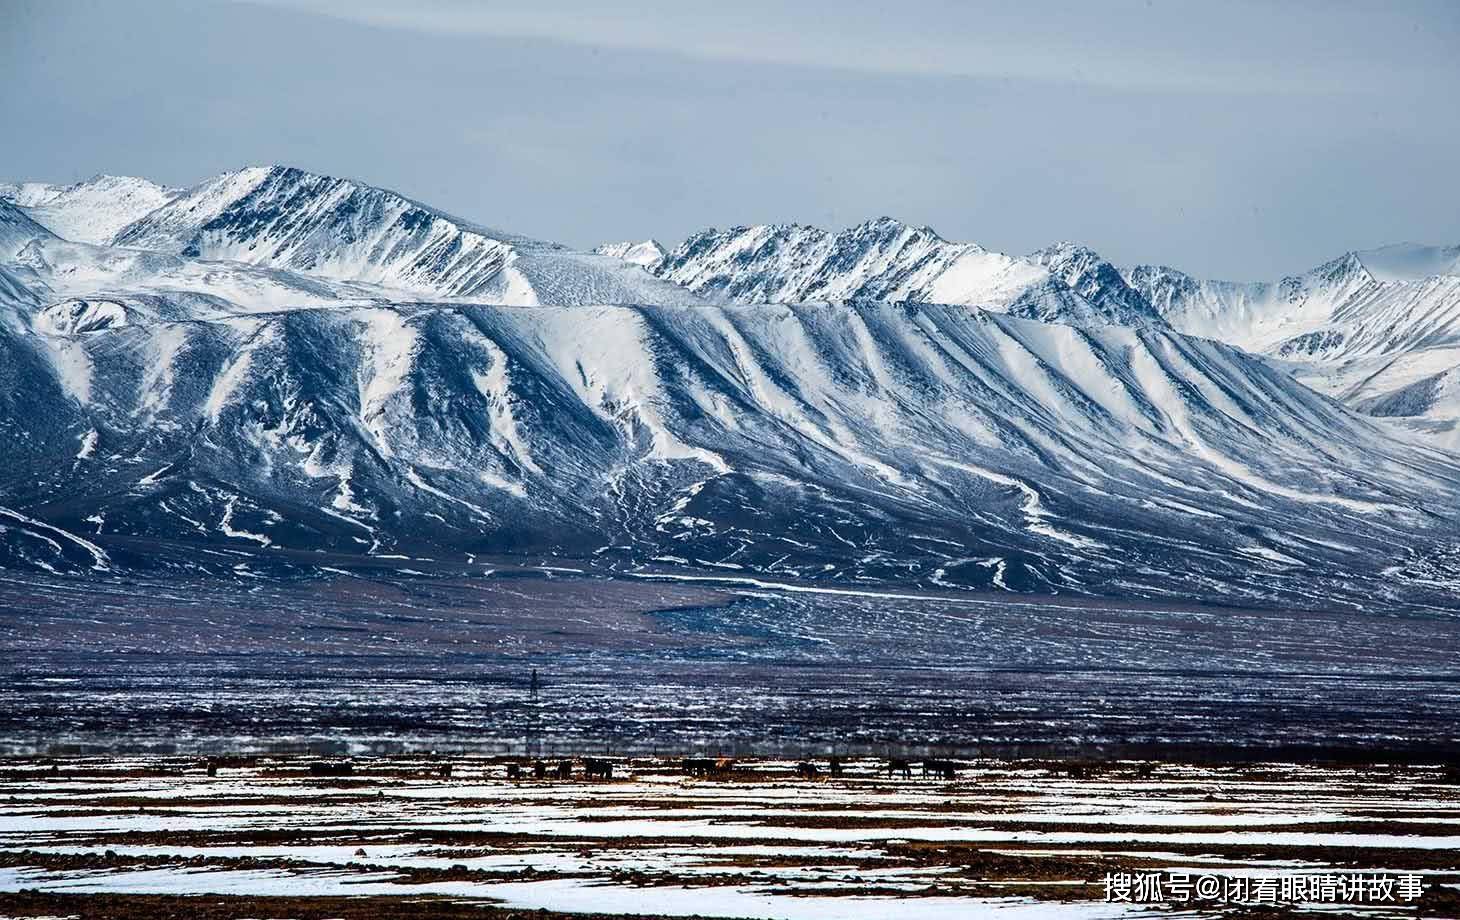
[760,843]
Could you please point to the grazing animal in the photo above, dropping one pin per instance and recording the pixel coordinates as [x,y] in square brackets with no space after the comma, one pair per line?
[597,768]
[834,765]
[331,768]
[697,766]
[897,765]
[1146,770]
[724,765]
[947,769]
[212,768]
[444,771]
[807,770]
[514,771]
[539,769]
[565,769]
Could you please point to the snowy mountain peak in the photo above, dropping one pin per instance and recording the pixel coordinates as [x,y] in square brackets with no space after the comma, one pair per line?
[1066,250]
[239,364]
[1087,273]
[285,214]
[1347,269]
[647,253]
[884,227]
[288,218]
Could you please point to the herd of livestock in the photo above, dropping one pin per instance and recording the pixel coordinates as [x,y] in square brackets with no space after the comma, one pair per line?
[602,768]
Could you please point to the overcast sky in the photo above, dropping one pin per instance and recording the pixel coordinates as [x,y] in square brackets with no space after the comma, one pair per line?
[1231,139]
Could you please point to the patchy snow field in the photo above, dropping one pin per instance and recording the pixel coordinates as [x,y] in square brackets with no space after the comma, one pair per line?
[1015,839]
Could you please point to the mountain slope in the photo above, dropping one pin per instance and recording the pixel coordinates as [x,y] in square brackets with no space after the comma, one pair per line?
[887,260]
[91,211]
[904,444]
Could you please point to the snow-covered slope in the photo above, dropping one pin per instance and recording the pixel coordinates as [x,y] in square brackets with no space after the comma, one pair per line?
[943,446]
[646,254]
[48,272]
[17,230]
[91,211]
[885,259]
[290,219]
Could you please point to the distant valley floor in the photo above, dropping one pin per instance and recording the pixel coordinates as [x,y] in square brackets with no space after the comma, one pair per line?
[370,662]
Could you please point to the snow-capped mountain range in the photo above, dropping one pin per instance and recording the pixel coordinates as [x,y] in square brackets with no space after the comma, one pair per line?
[1376,329]
[275,362]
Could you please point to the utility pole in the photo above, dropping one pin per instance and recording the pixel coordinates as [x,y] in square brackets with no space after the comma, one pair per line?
[534,725]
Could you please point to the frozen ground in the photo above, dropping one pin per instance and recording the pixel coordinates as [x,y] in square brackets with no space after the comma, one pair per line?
[379,662]
[1015,839]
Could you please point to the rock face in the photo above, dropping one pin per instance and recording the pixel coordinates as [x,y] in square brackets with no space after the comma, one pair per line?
[244,371]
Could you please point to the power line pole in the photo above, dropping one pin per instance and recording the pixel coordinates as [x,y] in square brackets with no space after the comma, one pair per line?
[534,725]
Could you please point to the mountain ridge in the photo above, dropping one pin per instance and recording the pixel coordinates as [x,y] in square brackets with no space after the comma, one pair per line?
[879,259]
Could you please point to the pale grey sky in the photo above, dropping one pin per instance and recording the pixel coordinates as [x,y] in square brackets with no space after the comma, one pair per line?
[1231,139]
